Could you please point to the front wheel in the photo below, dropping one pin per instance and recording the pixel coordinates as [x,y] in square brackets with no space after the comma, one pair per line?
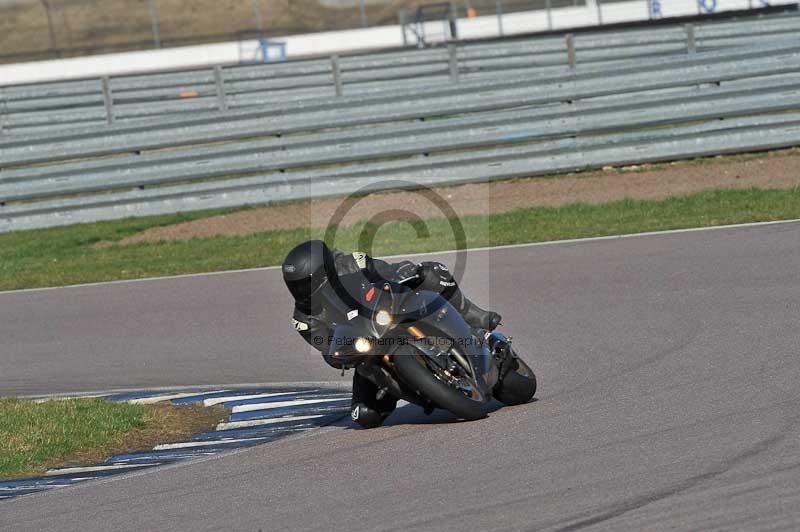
[518,387]
[455,393]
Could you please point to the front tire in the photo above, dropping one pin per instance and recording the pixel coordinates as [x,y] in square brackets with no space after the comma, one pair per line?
[410,365]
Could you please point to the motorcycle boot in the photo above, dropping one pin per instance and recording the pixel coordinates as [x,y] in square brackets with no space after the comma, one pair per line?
[478,318]
[368,409]
[365,416]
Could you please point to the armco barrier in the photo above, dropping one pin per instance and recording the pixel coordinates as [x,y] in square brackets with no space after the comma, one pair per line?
[28,108]
[657,108]
[472,97]
[516,127]
[693,143]
[772,27]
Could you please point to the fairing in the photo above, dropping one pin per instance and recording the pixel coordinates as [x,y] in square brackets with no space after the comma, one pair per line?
[425,312]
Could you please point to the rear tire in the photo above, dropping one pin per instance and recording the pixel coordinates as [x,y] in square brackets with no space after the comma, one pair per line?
[419,378]
[518,387]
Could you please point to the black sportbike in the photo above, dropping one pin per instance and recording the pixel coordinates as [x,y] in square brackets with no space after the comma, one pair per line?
[414,345]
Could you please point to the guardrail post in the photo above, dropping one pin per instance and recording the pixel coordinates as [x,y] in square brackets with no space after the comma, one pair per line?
[451,19]
[453,60]
[690,41]
[219,82]
[3,110]
[108,99]
[600,12]
[499,10]
[571,50]
[337,74]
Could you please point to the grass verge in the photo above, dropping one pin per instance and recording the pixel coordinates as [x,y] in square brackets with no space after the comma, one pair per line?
[61,256]
[35,437]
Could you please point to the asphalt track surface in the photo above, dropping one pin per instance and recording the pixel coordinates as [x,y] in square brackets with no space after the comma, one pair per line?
[668,399]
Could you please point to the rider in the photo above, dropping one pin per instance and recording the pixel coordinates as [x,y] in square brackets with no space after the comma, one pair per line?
[310,265]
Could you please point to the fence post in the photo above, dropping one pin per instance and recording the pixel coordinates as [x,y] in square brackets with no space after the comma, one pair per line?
[690,41]
[453,60]
[337,74]
[108,99]
[549,7]
[499,9]
[362,10]
[259,20]
[50,28]
[154,23]
[571,50]
[219,82]
[401,18]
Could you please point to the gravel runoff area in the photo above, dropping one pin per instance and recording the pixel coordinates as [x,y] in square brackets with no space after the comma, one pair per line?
[779,169]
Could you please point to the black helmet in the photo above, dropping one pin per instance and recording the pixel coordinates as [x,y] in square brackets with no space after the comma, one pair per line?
[306,268]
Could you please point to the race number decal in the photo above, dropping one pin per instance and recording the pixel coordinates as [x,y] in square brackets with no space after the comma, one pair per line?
[299,325]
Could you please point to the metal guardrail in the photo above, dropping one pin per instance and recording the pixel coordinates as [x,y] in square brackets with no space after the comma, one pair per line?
[169,160]
[512,127]
[369,62]
[472,97]
[31,108]
[593,115]
[574,157]
[26,115]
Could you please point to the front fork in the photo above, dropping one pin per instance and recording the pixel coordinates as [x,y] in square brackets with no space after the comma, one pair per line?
[497,340]
[497,347]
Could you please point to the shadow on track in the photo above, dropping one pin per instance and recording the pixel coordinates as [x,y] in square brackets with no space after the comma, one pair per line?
[409,414]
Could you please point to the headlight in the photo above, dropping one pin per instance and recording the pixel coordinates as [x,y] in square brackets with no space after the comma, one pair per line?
[362,345]
[383,318]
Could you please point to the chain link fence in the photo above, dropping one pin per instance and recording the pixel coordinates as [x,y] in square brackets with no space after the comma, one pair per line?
[39,29]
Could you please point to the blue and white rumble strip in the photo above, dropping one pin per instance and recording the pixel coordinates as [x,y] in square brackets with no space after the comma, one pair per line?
[257,416]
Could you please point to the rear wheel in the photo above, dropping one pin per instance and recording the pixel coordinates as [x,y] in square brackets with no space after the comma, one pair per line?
[518,387]
[454,391]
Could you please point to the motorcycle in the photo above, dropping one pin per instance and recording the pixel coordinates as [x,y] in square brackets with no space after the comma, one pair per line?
[414,345]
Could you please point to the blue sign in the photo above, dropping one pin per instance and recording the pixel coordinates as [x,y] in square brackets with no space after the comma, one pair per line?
[655,8]
[278,46]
